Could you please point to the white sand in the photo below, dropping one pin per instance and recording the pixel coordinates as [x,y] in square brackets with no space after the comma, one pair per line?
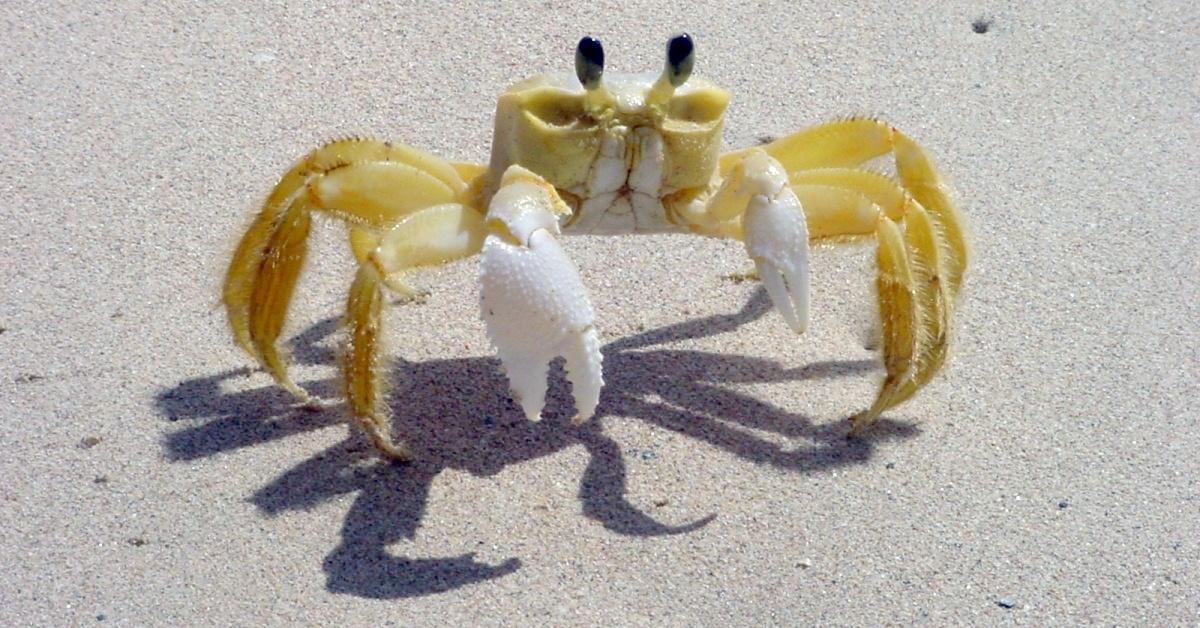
[1054,465]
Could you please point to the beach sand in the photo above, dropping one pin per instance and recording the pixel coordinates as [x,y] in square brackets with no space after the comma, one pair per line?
[1049,476]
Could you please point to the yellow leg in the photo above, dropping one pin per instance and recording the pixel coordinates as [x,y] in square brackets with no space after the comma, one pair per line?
[919,177]
[278,272]
[842,144]
[914,310]
[922,252]
[363,240]
[829,155]
[432,236]
[366,182]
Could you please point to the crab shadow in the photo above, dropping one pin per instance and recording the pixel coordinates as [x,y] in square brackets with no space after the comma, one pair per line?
[456,415]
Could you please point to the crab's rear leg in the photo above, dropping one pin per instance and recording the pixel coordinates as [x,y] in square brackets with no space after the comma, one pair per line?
[364,237]
[914,309]
[433,236]
[365,182]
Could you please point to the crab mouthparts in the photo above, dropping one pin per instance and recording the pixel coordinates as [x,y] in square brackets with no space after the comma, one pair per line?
[624,186]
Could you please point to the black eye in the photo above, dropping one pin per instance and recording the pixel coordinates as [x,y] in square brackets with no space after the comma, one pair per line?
[681,56]
[589,62]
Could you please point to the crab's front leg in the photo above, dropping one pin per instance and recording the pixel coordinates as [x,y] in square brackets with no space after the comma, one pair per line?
[774,230]
[430,237]
[534,304]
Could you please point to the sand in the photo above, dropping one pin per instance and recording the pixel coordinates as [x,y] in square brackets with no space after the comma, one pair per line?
[1049,476]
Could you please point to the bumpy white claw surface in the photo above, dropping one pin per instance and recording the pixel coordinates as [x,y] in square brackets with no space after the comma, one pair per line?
[776,236]
[535,309]
[582,353]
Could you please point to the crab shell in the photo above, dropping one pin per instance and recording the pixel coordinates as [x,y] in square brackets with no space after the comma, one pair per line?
[632,139]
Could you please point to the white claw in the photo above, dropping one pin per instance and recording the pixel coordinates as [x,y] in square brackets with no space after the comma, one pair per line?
[776,236]
[583,369]
[535,308]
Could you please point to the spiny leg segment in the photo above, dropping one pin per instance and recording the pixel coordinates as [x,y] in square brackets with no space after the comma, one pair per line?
[368,183]
[436,235]
[922,252]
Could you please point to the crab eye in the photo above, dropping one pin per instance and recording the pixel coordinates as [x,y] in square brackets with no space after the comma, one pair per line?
[681,56]
[589,62]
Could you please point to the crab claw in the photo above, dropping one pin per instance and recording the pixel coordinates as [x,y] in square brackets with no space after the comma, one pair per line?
[534,304]
[776,237]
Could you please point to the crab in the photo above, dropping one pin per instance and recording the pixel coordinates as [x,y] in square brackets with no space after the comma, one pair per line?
[591,153]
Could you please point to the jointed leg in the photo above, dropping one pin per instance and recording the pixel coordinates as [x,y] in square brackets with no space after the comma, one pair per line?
[922,251]
[260,261]
[277,272]
[365,182]
[432,236]
[914,309]
[829,155]
[916,171]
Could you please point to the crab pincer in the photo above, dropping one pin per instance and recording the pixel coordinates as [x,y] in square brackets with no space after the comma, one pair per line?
[534,304]
[774,230]
[776,238]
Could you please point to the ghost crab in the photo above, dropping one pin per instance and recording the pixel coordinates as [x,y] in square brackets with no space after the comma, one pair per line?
[602,155]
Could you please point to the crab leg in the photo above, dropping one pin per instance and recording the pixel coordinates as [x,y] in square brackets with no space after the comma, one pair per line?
[432,236]
[922,252]
[841,144]
[919,176]
[365,182]
[278,269]
[830,154]
[534,304]
[914,308]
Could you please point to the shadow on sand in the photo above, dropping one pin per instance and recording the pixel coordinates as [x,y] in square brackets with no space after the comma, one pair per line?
[456,415]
